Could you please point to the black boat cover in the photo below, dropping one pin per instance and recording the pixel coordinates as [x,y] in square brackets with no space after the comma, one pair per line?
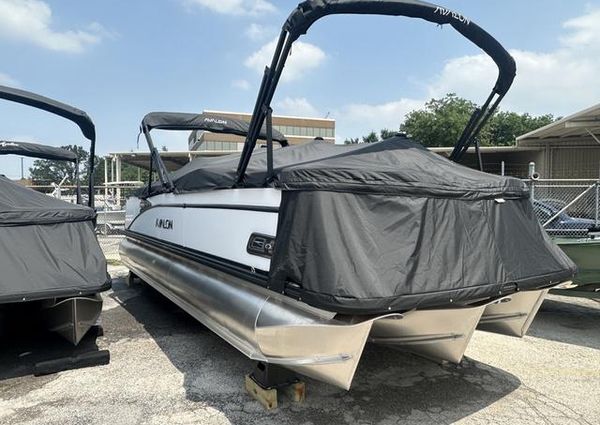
[391,226]
[48,247]
[35,150]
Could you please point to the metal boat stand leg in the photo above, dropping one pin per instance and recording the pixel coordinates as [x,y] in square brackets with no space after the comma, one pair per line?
[264,383]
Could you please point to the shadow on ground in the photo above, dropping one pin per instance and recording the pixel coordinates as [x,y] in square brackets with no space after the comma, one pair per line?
[389,385]
[26,342]
[568,320]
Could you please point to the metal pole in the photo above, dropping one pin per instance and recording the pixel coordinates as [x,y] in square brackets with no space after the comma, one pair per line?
[532,181]
[269,145]
[118,166]
[502,168]
[597,199]
[105,178]
[22,174]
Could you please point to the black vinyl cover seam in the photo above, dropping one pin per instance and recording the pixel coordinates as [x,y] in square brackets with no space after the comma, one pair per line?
[73,291]
[49,222]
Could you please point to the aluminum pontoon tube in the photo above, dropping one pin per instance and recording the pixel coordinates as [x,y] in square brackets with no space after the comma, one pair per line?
[73,317]
[514,316]
[273,328]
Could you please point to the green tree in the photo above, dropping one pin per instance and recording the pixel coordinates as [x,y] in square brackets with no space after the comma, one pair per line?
[44,171]
[504,127]
[386,134]
[372,137]
[441,122]
[352,141]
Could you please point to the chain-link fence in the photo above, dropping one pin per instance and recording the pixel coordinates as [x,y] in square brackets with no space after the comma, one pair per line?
[566,207]
[110,223]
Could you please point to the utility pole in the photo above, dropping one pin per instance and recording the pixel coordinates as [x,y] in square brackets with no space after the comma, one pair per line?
[22,174]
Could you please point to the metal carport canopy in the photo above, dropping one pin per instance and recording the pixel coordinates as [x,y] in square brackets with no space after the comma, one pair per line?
[583,124]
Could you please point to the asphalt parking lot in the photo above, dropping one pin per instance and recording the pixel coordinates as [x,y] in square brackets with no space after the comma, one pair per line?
[168,369]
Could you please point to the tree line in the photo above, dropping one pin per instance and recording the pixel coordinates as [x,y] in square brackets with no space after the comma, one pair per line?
[442,121]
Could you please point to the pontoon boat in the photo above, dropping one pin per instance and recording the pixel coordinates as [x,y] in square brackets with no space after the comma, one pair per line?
[49,254]
[299,256]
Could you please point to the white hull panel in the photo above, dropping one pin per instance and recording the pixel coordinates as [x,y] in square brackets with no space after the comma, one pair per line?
[209,222]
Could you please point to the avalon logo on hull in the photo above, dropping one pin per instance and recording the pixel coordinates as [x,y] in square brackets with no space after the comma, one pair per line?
[164,223]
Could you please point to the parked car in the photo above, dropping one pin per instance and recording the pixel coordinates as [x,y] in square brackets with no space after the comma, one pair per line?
[563,224]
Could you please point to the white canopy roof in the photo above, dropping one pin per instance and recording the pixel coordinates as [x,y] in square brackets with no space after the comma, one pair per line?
[583,124]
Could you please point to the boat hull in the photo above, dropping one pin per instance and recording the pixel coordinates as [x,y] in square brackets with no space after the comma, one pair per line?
[273,328]
[585,253]
[514,314]
[73,317]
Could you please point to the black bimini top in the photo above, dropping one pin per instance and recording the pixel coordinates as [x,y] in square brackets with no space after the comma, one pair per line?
[71,113]
[205,122]
[35,150]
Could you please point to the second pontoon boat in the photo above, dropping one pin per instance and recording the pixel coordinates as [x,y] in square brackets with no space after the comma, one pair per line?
[49,254]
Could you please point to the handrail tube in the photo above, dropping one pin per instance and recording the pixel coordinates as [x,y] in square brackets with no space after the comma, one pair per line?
[163,174]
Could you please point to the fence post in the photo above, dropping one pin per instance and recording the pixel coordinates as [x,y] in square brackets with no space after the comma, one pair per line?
[597,199]
[532,180]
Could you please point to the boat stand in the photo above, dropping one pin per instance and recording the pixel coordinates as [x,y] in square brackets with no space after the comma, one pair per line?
[264,383]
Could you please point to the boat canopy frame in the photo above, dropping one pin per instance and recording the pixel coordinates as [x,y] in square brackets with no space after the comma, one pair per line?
[310,11]
[36,150]
[183,121]
[71,113]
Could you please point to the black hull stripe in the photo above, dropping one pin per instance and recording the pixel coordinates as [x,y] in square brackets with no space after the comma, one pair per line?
[222,264]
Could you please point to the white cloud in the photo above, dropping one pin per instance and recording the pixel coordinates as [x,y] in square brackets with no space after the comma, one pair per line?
[240,84]
[299,106]
[256,32]
[7,80]
[235,7]
[31,21]
[303,58]
[358,119]
[560,81]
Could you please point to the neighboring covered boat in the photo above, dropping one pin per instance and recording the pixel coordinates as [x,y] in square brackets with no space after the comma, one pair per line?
[49,254]
[298,256]
[585,253]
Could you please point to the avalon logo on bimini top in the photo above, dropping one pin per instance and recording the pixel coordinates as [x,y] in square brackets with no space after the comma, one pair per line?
[164,223]
[445,12]
[215,121]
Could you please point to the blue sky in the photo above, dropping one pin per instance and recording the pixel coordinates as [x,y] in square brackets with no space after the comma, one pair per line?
[118,60]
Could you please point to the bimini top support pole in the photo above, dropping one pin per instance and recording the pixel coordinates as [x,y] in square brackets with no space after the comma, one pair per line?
[308,12]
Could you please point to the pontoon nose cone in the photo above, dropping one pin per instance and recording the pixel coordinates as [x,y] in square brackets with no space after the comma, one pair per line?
[437,334]
[514,314]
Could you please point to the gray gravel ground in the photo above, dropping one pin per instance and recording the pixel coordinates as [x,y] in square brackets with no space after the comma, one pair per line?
[168,369]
